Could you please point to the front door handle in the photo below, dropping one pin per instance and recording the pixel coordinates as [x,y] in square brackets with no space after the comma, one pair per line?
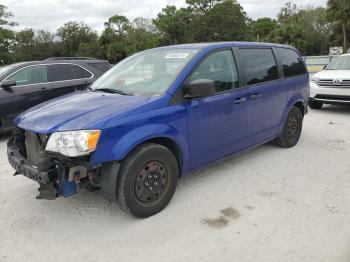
[240,100]
[255,96]
[43,88]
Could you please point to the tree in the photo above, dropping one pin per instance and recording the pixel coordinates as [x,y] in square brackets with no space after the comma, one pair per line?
[7,36]
[23,45]
[306,29]
[339,11]
[72,34]
[173,23]
[4,16]
[115,29]
[141,35]
[263,27]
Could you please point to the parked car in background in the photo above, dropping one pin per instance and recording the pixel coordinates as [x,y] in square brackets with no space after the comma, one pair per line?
[332,85]
[160,114]
[316,64]
[24,85]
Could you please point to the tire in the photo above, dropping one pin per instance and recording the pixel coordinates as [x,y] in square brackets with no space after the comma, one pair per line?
[315,104]
[292,129]
[147,180]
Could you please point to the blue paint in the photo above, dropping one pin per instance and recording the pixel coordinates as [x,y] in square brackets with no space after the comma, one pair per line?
[204,129]
[68,188]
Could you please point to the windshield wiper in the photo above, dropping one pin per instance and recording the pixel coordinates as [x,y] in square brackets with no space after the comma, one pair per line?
[113,91]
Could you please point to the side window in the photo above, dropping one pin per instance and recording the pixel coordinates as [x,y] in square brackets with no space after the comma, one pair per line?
[292,63]
[61,72]
[259,65]
[80,72]
[30,75]
[102,66]
[219,67]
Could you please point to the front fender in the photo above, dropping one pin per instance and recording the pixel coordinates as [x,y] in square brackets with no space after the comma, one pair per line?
[141,134]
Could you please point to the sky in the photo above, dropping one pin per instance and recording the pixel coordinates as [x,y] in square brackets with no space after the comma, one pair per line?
[51,14]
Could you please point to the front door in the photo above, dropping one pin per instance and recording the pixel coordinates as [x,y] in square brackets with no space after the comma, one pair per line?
[31,85]
[216,124]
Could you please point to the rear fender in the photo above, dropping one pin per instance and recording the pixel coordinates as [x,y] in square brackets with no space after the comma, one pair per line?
[292,101]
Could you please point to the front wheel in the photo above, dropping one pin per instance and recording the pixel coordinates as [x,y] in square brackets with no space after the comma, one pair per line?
[147,180]
[292,129]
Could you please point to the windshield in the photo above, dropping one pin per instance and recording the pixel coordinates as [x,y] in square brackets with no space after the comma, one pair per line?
[340,63]
[146,73]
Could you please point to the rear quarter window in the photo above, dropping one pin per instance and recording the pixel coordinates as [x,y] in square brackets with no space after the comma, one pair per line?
[64,72]
[292,63]
[259,65]
[103,66]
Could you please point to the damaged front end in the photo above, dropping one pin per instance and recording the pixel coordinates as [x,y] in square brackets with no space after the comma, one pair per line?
[57,175]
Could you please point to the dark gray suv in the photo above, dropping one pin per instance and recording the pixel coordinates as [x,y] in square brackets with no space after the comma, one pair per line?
[24,85]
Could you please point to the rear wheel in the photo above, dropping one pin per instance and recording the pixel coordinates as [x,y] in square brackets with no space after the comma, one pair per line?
[147,180]
[292,129]
[315,104]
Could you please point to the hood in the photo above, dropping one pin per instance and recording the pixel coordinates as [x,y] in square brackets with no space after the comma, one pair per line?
[333,74]
[75,111]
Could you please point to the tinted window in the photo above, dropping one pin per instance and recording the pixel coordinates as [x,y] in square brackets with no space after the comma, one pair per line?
[259,65]
[292,63]
[80,72]
[62,72]
[30,75]
[219,67]
[103,66]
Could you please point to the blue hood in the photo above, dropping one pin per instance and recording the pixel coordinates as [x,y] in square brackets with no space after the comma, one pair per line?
[75,111]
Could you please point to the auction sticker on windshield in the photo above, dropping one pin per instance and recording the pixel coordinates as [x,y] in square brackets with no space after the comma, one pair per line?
[177,55]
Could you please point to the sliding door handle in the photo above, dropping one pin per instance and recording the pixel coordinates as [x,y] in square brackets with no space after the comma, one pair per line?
[240,100]
[255,96]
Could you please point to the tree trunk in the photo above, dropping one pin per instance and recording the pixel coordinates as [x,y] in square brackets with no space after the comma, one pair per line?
[345,37]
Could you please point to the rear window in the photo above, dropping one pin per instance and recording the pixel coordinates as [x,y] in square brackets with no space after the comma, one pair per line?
[292,63]
[259,65]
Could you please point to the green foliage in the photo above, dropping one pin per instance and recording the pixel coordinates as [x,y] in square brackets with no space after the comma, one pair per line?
[338,11]
[263,28]
[306,29]
[72,34]
[311,30]
[202,20]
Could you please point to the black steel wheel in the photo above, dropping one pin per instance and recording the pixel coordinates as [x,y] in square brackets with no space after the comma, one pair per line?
[292,129]
[151,183]
[147,180]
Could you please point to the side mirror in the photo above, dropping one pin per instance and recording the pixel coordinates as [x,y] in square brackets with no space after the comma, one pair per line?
[8,83]
[324,67]
[199,88]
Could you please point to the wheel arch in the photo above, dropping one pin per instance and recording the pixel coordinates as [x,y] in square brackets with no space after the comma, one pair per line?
[162,134]
[167,142]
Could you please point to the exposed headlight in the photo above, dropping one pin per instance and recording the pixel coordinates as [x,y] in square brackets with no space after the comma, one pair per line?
[73,143]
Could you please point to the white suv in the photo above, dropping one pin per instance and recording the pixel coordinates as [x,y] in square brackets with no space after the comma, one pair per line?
[332,85]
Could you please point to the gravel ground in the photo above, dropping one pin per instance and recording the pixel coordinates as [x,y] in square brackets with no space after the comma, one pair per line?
[268,204]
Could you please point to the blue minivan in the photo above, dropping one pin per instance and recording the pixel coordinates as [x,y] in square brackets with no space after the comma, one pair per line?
[158,115]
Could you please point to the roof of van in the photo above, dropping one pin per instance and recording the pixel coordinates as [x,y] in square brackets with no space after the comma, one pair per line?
[221,44]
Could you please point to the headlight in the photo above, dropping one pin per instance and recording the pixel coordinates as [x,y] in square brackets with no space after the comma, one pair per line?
[73,143]
[314,80]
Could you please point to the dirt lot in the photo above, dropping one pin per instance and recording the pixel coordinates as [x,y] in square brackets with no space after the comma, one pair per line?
[269,204]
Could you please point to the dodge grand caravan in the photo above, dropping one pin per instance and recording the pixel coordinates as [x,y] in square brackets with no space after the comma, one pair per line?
[158,115]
